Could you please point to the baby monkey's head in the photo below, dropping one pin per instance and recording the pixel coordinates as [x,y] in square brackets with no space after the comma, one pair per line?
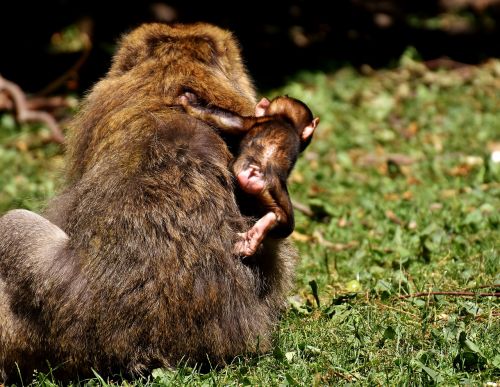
[269,150]
[295,112]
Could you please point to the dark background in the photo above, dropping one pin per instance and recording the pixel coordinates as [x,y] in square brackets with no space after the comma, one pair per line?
[278,38]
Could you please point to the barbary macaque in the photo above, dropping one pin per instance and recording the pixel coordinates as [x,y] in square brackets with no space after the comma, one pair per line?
[133,265]
[268,150]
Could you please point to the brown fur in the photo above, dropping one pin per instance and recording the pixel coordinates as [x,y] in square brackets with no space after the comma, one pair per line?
[140,273]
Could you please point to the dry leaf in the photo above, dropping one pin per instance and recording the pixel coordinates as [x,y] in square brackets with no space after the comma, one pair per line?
[393,217]
[301,237]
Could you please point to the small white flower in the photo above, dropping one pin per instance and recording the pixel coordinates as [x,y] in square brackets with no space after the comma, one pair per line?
[495,156]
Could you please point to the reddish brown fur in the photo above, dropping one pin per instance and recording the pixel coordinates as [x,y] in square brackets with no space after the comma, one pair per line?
[142,275]
[271,143]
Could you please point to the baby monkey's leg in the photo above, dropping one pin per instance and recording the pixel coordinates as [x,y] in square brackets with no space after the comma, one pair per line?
[276,198]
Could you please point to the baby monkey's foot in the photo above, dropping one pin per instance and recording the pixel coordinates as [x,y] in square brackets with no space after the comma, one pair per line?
[251,240]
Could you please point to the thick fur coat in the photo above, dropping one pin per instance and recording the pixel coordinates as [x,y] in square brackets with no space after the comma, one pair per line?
[134,267]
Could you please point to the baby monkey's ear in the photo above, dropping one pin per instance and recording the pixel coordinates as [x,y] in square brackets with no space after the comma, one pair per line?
[261,107]
[306,134]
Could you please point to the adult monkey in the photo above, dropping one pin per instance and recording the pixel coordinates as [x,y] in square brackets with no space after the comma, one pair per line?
[140,271]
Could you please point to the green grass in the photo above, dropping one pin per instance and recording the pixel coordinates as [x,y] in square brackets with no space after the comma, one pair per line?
[29,167]
[405,198]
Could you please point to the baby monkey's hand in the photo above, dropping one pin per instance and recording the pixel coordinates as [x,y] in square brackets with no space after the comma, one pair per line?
[187,98]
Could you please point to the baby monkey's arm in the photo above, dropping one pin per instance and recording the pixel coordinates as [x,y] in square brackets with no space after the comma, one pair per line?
[225,120]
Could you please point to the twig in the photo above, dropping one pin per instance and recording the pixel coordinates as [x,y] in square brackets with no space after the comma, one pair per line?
[35,103]
[305,209]
[455,294]
[48,103]
[486,286]
[86,26]
[318,236]
[24,114]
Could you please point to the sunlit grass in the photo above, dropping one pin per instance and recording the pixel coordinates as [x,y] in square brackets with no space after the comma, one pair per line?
[405,198]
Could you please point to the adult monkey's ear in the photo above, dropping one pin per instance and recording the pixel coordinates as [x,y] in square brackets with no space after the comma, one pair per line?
[261,107]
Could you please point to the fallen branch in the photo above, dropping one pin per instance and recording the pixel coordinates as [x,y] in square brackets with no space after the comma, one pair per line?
[455,294]
[25,114]
[35,103]
[493,286]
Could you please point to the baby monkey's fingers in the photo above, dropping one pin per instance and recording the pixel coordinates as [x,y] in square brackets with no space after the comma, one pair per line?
[187,98]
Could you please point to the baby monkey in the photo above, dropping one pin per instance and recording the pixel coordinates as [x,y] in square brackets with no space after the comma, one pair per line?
[270,144]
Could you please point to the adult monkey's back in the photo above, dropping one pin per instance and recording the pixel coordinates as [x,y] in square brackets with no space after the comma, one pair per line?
[143,274]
